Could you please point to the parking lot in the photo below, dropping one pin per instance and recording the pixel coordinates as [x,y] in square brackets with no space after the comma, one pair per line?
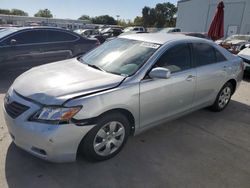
[203,149]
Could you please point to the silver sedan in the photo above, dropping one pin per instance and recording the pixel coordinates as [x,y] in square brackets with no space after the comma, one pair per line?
[92,104]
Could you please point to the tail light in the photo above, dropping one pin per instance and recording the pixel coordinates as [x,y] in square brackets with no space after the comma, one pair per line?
[97,42]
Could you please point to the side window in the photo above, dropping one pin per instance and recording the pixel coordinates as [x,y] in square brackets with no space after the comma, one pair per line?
[28,37]
[59,36]
[176,58]
[219,56]
[204,54]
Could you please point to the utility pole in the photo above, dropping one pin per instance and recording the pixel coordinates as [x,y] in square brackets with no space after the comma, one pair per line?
[117,16]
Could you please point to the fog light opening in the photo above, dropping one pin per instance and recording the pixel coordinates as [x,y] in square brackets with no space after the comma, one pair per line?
[39,151]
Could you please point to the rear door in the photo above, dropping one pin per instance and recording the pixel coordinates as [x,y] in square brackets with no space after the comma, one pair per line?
[61,45]
[212,68]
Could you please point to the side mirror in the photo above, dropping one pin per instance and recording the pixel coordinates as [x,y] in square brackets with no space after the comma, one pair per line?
[160,72]
[13,42]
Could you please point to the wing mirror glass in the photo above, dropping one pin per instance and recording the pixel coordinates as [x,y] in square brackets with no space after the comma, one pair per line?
[160,72]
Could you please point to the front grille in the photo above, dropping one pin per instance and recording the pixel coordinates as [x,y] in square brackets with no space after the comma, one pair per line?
[15,109]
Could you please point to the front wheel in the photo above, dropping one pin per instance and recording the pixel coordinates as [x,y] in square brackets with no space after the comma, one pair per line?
[106,139]
[223,98]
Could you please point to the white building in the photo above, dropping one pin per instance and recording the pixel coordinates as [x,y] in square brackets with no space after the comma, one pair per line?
[197,15]
[56,22]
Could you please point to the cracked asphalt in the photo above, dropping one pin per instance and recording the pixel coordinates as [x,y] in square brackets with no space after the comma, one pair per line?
[202,149]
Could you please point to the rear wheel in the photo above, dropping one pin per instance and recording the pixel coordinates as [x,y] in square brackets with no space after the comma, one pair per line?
[223,97]
[106,139]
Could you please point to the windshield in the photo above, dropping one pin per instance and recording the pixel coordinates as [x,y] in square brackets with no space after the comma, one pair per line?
[5,32]
[105,30]
[120,56]
[79,31]
[239,37]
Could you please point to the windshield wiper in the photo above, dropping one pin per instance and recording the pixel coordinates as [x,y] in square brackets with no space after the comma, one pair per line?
[96,67]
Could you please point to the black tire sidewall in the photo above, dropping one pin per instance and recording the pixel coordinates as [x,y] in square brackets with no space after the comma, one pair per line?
[87,148]
[216,106]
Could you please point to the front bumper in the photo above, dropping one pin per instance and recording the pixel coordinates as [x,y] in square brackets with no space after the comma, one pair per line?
[55,143]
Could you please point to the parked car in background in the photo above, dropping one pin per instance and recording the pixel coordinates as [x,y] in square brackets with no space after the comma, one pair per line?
[1,28]
[194,34]
[87,32]
[170,30]
[32,46]
[135,29]
[126,33]
[245,55]
[92,104]
[111,32]
[108,33]
[91,33]
[235,43]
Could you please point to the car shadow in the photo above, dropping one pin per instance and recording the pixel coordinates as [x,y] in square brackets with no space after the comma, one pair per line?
[203,148]
[7,77]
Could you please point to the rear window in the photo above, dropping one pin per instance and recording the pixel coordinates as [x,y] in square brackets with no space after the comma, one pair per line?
[60,36]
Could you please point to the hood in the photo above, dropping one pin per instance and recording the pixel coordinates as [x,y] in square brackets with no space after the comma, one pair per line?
[54,83]
[234,42]
[245,53]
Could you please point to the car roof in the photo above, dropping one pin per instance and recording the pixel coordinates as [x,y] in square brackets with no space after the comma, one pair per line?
[159,38]
[36,27]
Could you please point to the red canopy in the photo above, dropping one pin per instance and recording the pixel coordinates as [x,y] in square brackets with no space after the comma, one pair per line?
[216,30]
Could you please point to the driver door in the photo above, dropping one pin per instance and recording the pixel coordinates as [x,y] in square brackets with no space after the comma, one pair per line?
[161,99]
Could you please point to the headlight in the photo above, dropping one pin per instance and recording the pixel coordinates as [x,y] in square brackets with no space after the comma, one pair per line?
[55,115]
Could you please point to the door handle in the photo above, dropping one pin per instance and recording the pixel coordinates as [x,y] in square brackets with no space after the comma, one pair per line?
[190,78]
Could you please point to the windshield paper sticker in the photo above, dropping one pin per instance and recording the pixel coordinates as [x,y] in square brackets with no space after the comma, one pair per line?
[150,45]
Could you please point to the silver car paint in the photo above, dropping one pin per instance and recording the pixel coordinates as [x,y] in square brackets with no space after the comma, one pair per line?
[54,83]
[150,101]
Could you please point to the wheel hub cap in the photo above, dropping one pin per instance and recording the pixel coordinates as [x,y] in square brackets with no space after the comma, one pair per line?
[109,138]
[224,97]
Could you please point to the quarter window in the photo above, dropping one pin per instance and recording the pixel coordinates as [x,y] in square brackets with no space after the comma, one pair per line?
[176,59]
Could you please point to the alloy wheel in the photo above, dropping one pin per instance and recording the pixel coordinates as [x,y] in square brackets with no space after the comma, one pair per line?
[224,97]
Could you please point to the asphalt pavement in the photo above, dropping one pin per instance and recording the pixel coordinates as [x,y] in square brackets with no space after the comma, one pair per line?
[202,149]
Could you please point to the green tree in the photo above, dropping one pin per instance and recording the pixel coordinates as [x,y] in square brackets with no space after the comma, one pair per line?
[163,15]
[84,17]
[104,19]
[122,23]
[18,12]
[44,13]
[138,21]
[5,11]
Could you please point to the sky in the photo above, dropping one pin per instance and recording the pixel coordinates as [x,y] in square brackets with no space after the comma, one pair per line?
[73,9]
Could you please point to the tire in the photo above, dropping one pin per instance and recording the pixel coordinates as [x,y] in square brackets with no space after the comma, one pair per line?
[223,98]
[112,131]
